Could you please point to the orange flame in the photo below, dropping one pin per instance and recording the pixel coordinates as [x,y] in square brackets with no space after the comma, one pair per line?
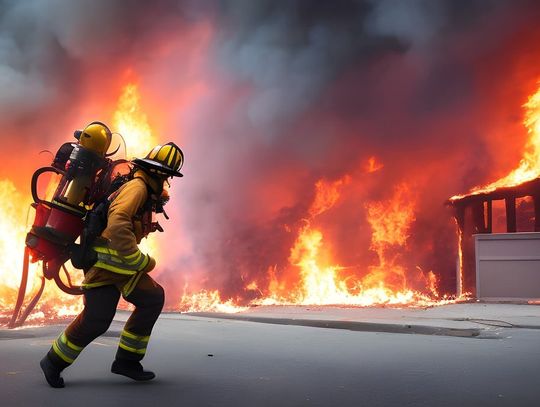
[131,122]
[390,222]
[326,195]
[460,261]
[529,166]
[15,208]
[373,165]
[208,301]
[320,280]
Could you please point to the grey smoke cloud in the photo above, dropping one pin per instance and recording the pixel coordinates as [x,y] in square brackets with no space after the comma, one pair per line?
[288,51]
[415,21]
[48,47]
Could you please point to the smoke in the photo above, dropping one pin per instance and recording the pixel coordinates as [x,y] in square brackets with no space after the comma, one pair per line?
[267,97]
[314,90]
[50,50]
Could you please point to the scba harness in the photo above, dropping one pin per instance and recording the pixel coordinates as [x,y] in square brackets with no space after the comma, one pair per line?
[91,253]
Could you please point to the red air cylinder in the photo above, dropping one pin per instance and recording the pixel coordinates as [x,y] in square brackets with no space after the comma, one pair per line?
[42,214]
[52,232]
[67,226]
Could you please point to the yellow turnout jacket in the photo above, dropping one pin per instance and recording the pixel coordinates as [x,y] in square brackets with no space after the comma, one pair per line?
[119,260]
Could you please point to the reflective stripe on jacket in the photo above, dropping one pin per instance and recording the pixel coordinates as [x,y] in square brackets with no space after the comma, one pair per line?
[112,260]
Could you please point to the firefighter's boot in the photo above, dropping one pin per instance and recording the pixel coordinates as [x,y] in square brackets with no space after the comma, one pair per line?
[132,369]
[51,372]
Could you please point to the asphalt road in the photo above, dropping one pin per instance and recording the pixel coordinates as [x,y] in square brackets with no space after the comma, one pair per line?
[212,362]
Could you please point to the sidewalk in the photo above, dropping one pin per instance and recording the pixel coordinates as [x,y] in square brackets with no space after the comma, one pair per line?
[463,319]
[482,320]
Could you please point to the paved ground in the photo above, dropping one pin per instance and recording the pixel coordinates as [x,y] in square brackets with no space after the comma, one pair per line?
[458,355]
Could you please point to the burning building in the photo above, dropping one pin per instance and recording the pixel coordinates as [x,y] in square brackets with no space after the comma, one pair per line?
[511,204]
[474,216]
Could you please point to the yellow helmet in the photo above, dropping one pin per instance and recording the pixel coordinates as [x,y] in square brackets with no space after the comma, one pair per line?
[96,137]
[163,160]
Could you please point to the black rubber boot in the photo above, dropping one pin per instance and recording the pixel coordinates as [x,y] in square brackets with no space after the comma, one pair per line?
[131,369]
[51,372]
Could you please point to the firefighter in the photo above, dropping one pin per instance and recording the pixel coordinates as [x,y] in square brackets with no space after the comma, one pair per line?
[121,269]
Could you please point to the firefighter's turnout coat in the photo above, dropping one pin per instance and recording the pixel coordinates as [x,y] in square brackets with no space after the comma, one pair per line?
[119,260]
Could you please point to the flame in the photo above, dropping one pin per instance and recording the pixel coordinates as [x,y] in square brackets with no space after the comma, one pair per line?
[433,284]
[529,166]
[316,278]
[460,260]
[313,277]
[15,207]
[131,122]
[208,301]
[390,222]
[320,281]
[527,170]
[373,165]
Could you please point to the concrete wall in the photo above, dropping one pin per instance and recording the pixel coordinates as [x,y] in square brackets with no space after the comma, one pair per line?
[507,266]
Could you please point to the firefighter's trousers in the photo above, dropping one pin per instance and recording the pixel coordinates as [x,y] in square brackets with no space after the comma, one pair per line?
[99,309]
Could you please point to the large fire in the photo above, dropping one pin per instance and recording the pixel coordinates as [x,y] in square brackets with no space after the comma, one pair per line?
[315,279]
[527,170]
[131,122]
[529,166]
[314,275]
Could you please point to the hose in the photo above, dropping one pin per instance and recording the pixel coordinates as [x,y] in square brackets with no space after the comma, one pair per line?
[68,289]
[22,289]
[32,304]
